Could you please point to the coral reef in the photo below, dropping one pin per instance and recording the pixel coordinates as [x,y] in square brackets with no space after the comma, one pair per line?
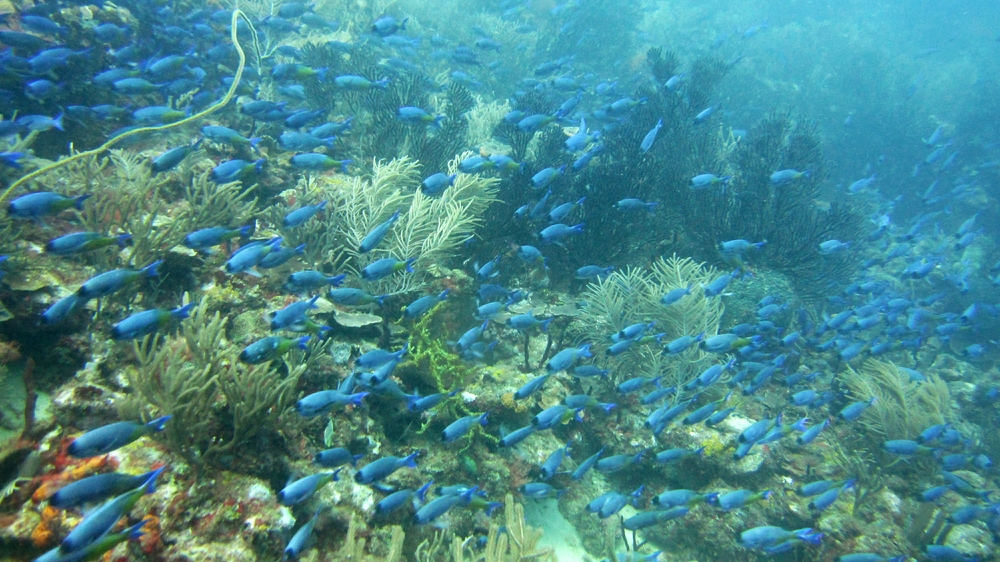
[184,376]
[511,542]
[429,230]
[631,296]
[903,407]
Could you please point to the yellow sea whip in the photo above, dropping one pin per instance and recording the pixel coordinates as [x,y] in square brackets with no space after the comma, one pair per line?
[218,105]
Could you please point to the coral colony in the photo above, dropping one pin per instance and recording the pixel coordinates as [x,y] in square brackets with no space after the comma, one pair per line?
[482,283]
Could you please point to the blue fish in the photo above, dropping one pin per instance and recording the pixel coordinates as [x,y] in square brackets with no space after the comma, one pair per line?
[294,313]
[540,490]
[383,468]
[41,203]
[565,359]
[323,401]
[422,305]
[378,357]
[62,308]
[316,162]
[113,436]
[555,415]
[437,183]
[787,176]
[441,505]
[332,458]
[551,464]
[79,242]
[618,462]
[461,426]
[649,518]
[101,520]
[376,235]
[705,181]
[308,280]
[98,487]
[650,138]
[298,542]
[148,321]
[300,216]
[531,386]
[417,404]
[115,280]
[586,465]
[303,488]
[250,255]
[514,437]
[270,348]
[853,411]
[382,268]
[173,157]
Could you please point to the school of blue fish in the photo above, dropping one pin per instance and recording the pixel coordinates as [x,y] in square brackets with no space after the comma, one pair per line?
[913,287]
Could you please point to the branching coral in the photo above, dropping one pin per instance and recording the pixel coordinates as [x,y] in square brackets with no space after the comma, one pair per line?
[429,229]
[435,148]
[787,214]
[483,119]
[184,376]
[354,547]
[513,542]
[125,197]
[211,204]
[633,295]
[902,408]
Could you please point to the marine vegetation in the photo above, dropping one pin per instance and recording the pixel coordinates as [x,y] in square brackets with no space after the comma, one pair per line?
[184,375]
[498,281]
[633,296]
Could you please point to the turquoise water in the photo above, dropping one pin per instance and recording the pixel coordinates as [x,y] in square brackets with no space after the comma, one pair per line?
[499,281]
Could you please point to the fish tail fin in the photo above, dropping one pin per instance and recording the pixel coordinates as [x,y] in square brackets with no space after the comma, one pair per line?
[491,507]
[157,424]
[135,531]
[78,201]
[302,342]
[151,270]
[150,484]
[183,312]
[246,231]
[813,538]
[356,458]
[409,264]
[436,124]
[343,165]
[607,406]
[422,492]
[545,324]
[411,460]
[124,240]
[254,142]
